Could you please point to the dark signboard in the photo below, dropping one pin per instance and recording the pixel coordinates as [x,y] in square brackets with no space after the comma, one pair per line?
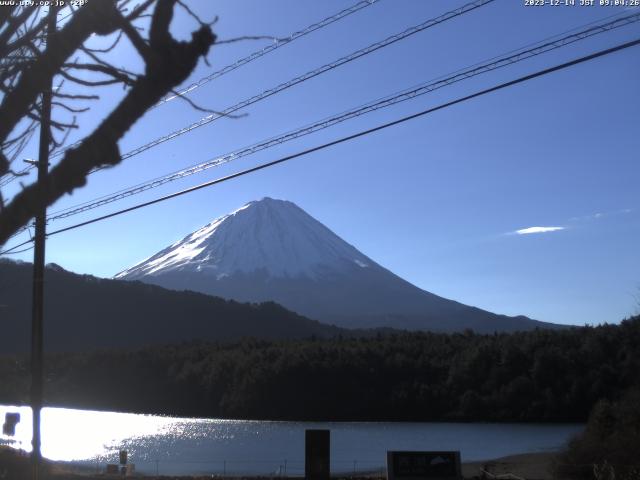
[423,465]
[317,449]
[10,421]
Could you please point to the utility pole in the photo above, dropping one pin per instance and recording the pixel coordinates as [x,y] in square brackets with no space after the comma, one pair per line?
[37,370]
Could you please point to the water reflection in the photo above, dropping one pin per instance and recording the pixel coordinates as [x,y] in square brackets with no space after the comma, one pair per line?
[191,446]
[69,434]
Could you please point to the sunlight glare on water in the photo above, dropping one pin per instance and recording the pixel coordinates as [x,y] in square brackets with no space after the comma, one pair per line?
[190,446]
[92,434]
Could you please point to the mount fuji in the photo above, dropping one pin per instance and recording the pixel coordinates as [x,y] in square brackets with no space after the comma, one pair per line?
[273,250]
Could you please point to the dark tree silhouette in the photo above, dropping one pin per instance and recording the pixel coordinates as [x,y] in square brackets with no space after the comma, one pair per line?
[28,64]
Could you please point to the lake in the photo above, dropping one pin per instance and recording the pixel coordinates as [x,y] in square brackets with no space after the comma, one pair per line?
[190,446]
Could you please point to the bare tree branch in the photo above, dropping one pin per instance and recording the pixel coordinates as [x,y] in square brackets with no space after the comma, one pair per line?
[117,74]
[13,24]
[76,96]
[135,38]
[106,49]
[70,109]
[99,17]
[168,64]
[195,106]
[59,143]
[88,83]
[139,10]
[6,13]
[196,17]
[24,40]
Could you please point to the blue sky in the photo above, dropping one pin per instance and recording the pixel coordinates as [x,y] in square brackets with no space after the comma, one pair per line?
[437,200]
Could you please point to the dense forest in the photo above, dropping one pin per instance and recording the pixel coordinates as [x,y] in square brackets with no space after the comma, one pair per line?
[609,447]
[540,375]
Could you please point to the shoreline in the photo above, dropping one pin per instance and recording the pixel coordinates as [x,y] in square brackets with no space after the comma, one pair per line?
[529,466]
[181,416]
[532,466]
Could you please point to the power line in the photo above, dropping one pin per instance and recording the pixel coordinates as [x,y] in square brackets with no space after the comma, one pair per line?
[302,78]
[477,69]
[10,177]
[491,64]
[309,75]
[12,251]
[281,42]
[501,86]
[278,43]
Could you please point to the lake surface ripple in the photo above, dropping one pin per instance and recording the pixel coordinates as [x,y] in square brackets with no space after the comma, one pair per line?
[201,446]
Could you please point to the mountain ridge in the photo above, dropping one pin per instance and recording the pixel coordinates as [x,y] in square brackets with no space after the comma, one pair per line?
[83,312]
[273,250]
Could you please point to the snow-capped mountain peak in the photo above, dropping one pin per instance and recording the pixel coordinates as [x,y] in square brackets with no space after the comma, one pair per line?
[271,250]
[272,236]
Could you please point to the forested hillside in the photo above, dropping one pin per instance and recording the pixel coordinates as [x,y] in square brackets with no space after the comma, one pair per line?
[84,312]
[530,376]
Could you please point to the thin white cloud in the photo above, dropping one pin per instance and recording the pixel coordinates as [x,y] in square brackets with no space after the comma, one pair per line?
[597,216]
[600,215]
[530,230]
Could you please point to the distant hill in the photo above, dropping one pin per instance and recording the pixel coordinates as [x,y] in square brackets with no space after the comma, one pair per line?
[273,250]
[84,312]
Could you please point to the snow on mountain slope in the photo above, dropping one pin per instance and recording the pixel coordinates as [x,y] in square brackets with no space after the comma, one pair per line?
[273,250]
[275,236]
